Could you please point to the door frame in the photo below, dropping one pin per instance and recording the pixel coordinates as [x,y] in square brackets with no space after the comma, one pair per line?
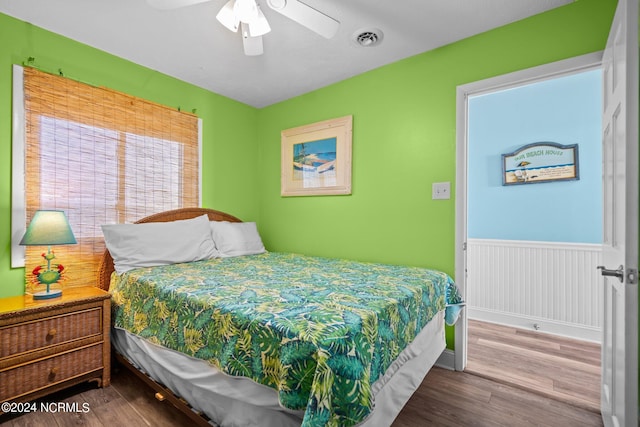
[518,78]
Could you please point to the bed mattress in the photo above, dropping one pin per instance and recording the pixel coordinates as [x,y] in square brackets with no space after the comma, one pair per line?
[232,401]
[320,332]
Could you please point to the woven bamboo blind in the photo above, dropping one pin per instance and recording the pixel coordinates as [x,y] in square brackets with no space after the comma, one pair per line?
[103,157]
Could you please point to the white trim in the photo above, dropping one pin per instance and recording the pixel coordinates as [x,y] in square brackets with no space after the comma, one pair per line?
[200,124]
[596,247]
[536,324]
[446,360]
[460,331]
[18,205]
[463,92]
[579,64]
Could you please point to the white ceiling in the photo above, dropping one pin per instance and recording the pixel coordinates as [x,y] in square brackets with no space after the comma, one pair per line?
[189,43]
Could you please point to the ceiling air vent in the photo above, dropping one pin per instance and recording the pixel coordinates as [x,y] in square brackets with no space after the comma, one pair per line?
[367,37]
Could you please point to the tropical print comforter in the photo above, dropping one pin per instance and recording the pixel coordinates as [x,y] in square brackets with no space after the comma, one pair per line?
[320,331]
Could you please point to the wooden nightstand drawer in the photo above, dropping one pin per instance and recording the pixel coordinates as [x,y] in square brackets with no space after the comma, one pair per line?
[49,345]
[24,379]
[29,336]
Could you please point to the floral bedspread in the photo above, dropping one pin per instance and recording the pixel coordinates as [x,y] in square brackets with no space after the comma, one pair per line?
[320,331]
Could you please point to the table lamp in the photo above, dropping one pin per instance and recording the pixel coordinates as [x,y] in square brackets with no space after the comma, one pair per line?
[47,228]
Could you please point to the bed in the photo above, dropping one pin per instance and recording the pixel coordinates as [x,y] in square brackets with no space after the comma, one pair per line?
[274,339]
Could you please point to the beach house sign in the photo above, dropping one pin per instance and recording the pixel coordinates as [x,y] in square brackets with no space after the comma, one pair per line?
[540,162]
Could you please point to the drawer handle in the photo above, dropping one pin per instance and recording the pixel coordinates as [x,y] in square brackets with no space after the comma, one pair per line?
[52,373]
[52,333]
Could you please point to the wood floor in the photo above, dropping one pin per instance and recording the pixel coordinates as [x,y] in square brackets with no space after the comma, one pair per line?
[445,398]
[561,368]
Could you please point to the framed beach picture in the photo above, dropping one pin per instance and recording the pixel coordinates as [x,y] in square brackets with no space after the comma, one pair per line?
[316,158]
[541,162]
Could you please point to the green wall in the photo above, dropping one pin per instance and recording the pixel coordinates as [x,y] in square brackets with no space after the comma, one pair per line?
[229,127]
[404,139]
[403,136]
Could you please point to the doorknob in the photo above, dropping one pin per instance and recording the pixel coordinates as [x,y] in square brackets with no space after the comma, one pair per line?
[619,273]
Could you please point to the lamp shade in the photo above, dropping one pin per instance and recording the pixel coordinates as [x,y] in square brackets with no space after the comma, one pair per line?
[48,227]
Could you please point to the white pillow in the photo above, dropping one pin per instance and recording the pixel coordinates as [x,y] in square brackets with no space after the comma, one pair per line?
[159,243]
[236,238]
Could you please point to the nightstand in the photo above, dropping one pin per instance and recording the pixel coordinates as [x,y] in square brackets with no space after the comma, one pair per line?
[48,345]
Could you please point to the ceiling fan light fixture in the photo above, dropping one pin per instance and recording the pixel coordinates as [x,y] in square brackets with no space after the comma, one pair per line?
[252,45]
[246,10]
[259,26]
[227,17]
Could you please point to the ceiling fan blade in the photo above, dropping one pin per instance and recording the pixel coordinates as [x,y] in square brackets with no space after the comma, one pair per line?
[173,4]
[252,45]
[305,15]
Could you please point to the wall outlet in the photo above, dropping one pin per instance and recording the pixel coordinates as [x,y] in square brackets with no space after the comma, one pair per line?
[441,190]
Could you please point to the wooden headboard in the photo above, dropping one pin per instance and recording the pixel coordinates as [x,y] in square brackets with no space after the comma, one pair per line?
[106,263]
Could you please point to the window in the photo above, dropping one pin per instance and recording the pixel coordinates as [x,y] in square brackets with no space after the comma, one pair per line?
[103,157]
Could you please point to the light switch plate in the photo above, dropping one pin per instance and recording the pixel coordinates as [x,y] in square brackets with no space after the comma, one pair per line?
[441,190]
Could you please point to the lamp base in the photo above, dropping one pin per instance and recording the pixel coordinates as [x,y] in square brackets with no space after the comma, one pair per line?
[52,293]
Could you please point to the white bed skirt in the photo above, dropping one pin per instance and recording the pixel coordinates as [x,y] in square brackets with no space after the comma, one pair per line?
[240,402]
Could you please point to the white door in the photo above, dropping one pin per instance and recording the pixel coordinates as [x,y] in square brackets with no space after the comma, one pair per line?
[619,402]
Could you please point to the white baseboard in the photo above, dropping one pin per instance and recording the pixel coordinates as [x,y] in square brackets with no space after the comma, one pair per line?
[446,360]
[532,323]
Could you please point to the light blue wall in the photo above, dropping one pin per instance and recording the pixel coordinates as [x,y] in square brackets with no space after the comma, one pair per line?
[565,110]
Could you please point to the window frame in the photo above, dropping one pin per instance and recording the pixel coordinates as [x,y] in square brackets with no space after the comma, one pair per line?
[18,187]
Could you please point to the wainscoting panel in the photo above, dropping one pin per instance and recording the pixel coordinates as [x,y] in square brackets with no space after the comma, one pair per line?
[553,287]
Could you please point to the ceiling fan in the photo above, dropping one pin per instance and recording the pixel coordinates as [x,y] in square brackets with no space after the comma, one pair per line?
[247,16]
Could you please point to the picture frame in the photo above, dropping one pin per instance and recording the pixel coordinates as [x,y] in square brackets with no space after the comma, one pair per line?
[316,158]
[541,162]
